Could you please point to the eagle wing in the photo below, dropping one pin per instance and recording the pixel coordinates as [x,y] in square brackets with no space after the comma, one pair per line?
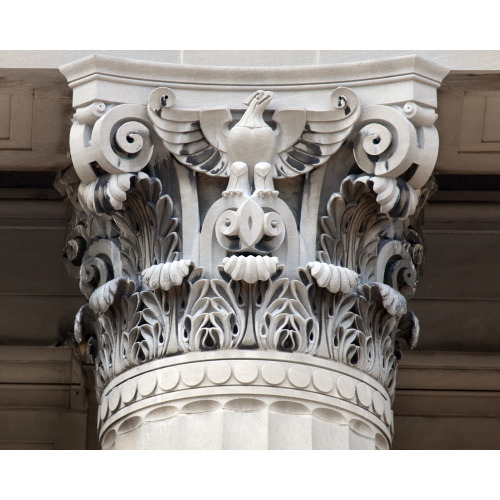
[322,134]
[197,139]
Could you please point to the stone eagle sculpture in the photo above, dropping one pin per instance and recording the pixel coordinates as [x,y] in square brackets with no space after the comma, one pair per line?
[209,141]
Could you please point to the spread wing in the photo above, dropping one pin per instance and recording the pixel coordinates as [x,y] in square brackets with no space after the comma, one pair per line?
[197,139]
[322,135]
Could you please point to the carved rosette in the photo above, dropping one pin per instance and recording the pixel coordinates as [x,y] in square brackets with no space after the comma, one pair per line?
[171,264]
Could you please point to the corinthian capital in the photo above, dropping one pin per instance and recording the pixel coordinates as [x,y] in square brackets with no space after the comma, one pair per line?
[274,226]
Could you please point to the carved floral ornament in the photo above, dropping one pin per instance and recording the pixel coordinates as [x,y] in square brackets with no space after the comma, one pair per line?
[294,230]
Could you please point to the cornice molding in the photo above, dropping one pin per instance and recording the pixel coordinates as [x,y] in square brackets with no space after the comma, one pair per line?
[276,75]
[97,78]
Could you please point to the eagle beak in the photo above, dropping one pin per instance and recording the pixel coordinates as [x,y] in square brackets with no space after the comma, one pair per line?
[261,96]
[265,96]
[251,98]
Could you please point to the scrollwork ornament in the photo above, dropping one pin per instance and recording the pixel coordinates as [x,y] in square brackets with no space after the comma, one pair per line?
[388,145]
[76,244]
[88,115]
[395,266]
[105,194]
[119,141]
[134,320]
[84,226]
[100,265]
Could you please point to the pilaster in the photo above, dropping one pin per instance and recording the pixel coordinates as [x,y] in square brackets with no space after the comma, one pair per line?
[247,241]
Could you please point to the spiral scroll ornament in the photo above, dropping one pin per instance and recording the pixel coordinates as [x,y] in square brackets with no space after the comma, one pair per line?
[100,264]
[393,142]
[88,115]
[119,141]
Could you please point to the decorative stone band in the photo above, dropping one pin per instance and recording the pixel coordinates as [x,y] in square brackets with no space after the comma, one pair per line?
[248,381]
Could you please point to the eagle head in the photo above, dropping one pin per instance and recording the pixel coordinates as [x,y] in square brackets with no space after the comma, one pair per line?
[257,103]
[259,99]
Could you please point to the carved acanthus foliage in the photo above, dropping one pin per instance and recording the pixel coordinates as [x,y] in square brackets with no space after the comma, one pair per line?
[361,328]
[148,231]
[134,300]
[351,230]
[378,312]
[275,313]
[215,315]
[245,281]
[285,319]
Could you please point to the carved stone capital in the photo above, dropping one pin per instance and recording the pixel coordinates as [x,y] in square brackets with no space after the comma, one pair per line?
[254,235]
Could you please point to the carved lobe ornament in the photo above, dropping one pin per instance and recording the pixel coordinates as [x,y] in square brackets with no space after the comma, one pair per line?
[217,229]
